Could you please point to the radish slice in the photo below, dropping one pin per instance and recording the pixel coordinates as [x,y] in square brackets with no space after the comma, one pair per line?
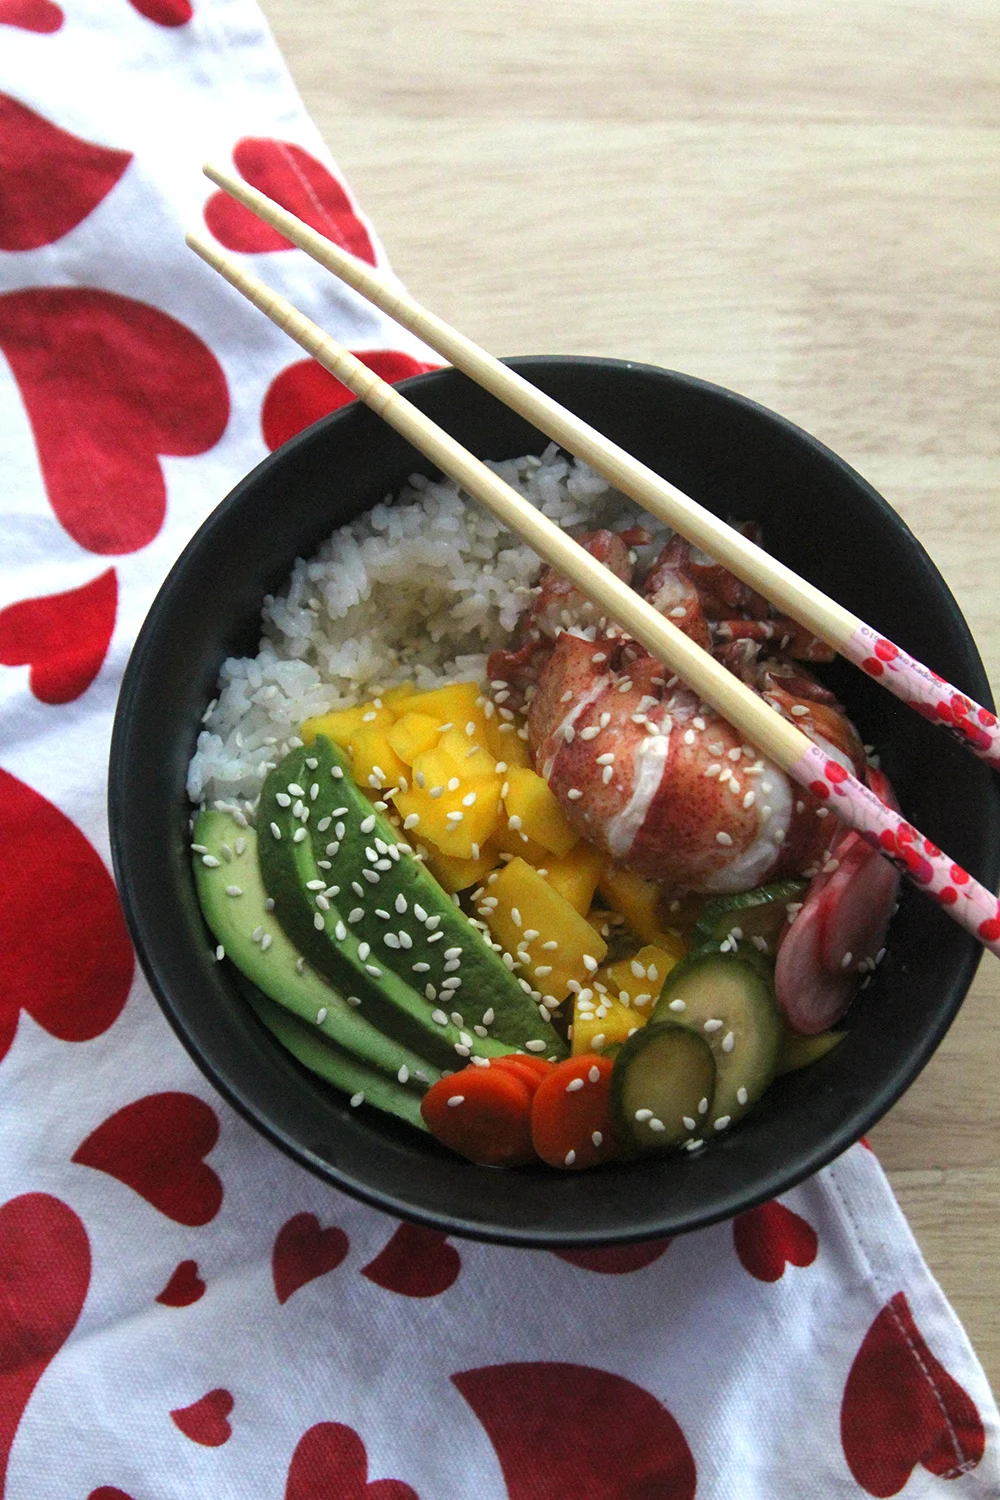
[811,998]
[855,906]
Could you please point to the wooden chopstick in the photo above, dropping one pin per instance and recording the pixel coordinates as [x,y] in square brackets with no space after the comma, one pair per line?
[912,682]
[965,900]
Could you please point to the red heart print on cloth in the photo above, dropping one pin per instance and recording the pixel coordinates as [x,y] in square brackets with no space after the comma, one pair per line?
[31,15]
[184,1287]
[561,1430]
[206,1421]
[44,1276]
[902,1408]
[769,1237]
[49,180]
[616,1260]
[65,956]
[64,638]
[303,1251]
[108,1492]
[299,183]
[330,1460]
[164,12]
[109,384]
[417,1262]
[305,391]
[156,1146]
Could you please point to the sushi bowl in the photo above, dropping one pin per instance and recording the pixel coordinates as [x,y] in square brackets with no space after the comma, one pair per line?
[740,460]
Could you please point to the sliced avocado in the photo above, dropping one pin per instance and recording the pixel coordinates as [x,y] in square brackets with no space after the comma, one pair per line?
[315,903]
[730,1003]
[334,1064]
[256,943]
[440,949]
[662,1076]
[760,913]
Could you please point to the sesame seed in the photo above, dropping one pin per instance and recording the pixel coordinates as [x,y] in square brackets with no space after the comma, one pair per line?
[211,861]
[590,963]
[574,794]
[728,1042]
[749,799]
[573,1085]
[598,1042]
[799,710]
[340,932]
[722,1122]
[655,1124]
[590,733]
[353,999]
[299,835]
[723,838]
[712,770]
[741,1095]
[462,1049]
[642,1115]
[711,1026]
[233,890]
[357,1099]
[456,1100]
[319,922]
[847,960]
[535,1045]
[569,1158]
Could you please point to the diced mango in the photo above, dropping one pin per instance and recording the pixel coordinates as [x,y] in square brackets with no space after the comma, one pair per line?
[501,738]
[460,874]
[337,726]
[527,904]
[530,799]
[577,874]
[639,978]
[471,761]
[393,697]
[375,765]
[600,1022]
[636,898]
[456,703]
[455,811]
[412,734]
[511,841]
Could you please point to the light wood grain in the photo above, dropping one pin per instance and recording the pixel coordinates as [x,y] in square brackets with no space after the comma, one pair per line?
[795,199]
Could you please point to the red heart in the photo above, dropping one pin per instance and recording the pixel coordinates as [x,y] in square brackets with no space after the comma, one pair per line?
[417,1262]
[164,12]
[616,1260]
[31,15]
[44,1276]
[561,1430]
[155,1146]
[63,637]
[305,391]
[49,180]
[330,1459]
[205,1421]
[303,1251]
[108,1492]
[184,1287]
[109,384]
[65,956]
[769,1236]
[901,1408]
[299,183]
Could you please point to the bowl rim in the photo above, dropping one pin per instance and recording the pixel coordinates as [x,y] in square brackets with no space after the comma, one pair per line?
[855,1123]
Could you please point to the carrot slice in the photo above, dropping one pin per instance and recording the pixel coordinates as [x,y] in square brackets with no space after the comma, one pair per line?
[530,1069]
[483,1114]
[571,1121]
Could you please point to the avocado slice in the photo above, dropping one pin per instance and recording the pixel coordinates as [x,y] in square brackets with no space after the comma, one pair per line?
[225,861]
[318,905]
[729,1002]
[332,1063]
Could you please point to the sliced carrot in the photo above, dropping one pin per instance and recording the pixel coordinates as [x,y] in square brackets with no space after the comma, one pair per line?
[483,1114]
[531,1069]
[571,1121]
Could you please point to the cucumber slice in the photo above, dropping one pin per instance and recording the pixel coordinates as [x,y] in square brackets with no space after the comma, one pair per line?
[760,913]
[663,1080]
[799,1051]
[730,1003]
[331,1063]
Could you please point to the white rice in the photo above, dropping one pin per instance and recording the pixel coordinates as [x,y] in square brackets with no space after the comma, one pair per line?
[421,588]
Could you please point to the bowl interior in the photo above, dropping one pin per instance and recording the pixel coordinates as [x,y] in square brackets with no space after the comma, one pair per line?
[741,461]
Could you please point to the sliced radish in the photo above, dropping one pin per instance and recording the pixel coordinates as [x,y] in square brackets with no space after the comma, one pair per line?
[811,998]
[855,906]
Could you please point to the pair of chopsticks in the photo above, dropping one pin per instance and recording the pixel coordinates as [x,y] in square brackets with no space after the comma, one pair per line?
[968,902]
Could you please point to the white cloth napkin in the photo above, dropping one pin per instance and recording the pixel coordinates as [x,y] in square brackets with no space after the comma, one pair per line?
[183,1311]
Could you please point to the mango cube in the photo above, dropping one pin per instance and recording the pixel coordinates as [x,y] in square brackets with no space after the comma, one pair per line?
[412,734]
[599,1022]
[636,898]
[455,810]
[501,738]
[375,765]
[637,981]
[530,799]
[529,918]
[577,874]
[460,874]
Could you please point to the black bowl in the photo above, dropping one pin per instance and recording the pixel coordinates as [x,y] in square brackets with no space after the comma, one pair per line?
[737,458]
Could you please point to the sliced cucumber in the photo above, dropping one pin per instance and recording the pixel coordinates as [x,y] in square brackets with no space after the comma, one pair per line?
[663,1080]
[730,1003]
[751,914]
[799,1051]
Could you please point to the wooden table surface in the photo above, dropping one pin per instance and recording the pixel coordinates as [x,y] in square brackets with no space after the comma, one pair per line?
[792,198]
